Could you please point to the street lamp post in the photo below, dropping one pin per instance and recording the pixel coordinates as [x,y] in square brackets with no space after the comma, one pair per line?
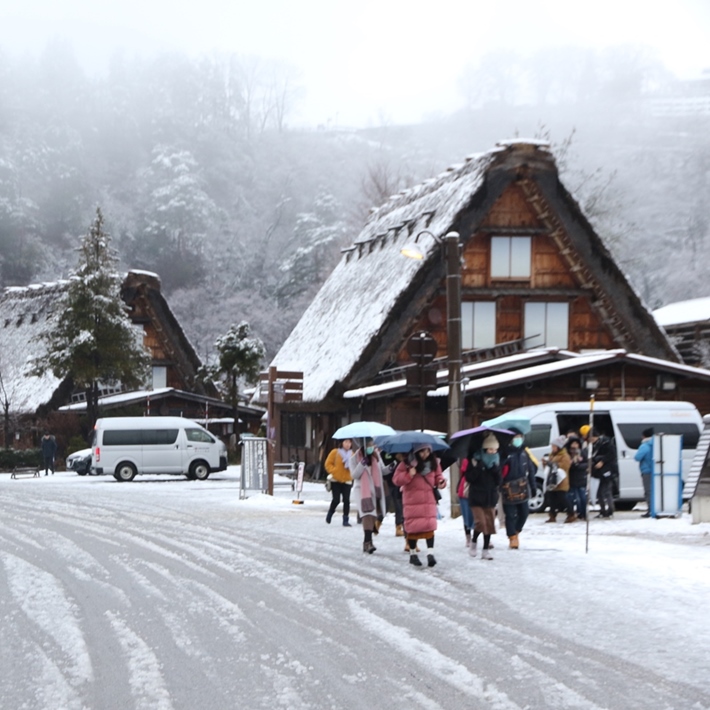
[451,244]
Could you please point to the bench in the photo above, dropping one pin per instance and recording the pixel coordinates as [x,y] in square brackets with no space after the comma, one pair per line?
[25,472]
[289,471]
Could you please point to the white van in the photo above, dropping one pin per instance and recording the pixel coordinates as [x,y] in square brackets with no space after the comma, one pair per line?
[623,422]
[127,446]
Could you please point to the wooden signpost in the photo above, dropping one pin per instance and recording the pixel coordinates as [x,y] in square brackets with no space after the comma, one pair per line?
[282,386]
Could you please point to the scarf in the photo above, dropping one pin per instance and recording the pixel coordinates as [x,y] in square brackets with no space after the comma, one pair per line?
[345,454]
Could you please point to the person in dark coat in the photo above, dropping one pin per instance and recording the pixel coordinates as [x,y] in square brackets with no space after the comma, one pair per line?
[519,484]
[483,476]
[605,468]
[577,495]
[49,451]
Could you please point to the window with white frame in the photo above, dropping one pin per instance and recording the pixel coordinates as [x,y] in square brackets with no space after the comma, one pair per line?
[510,257]
[546,325]
[478,324]
[160,376]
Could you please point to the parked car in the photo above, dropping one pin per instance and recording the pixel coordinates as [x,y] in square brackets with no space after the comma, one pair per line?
[79,461]
[624,422]
[128,446]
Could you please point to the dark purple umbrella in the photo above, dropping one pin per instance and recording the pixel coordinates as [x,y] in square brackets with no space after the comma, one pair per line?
[465,443]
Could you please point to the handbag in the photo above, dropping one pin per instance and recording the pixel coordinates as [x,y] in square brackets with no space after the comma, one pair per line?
[515,491]
[437,494]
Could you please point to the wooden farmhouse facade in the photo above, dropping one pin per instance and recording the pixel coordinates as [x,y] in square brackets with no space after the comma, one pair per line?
[546,313]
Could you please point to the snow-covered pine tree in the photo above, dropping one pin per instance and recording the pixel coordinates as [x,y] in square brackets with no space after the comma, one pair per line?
[240,355]
[94,341]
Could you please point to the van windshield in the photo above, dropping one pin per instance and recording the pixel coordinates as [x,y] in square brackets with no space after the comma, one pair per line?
[199,435]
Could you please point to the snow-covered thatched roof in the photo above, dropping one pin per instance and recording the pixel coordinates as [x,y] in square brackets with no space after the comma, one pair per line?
[362,312]
[353,305]
[25,314]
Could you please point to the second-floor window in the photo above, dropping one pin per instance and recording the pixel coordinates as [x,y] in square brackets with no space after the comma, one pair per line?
[478,324]
[546,324]
[510,257]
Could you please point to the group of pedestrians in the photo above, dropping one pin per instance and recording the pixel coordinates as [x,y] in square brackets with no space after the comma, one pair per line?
[413,481]
[492,481]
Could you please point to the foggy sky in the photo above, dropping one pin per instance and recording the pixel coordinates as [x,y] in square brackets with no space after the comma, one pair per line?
[361,62]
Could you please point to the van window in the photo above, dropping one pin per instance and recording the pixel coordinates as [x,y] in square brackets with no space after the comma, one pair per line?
[199,435]
[139,437]
[632,433]
[156,437]
[539,435]
[123,437]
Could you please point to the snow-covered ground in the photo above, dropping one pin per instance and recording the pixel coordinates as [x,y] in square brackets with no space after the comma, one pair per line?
[167,593]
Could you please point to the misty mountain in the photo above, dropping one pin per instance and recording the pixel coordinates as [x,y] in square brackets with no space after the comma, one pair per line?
[201,179]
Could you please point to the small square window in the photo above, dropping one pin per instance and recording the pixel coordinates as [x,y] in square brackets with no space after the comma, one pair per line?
[510,257]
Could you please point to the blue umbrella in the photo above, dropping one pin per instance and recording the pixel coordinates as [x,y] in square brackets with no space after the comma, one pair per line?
[363,430]
[464,443]
[404,441]
[506,421]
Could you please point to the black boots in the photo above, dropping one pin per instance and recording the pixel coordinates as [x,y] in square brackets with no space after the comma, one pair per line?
[346,522]
[368,547]
[414,560]
[431,560]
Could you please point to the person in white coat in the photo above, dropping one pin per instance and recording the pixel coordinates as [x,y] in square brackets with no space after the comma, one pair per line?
[368,491]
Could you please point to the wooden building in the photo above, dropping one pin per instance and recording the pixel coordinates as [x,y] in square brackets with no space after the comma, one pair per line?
[538,285]
[28,312]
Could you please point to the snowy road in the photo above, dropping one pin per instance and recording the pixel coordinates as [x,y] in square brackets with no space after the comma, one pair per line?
[174,594]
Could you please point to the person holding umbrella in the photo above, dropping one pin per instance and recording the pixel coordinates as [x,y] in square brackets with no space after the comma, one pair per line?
[338,467]
[368,490]
[483,476]
[518,485]
[420,479]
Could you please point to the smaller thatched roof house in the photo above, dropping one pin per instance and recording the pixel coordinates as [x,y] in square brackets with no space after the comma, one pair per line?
[28,312]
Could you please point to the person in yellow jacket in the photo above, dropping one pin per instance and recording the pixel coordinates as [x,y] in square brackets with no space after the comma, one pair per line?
[338,467]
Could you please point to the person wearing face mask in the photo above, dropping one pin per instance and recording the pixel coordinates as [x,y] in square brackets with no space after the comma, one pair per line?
[483,476]
[519,484]
[419,478]
[368,490]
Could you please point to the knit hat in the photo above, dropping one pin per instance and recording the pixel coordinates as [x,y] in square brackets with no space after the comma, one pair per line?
[584,430]
[419,447]
[647,433]
[559,442]
[490,442]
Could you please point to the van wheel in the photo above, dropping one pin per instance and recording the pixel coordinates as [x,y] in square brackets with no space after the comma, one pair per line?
[536,504]
[199,470]
[125,471]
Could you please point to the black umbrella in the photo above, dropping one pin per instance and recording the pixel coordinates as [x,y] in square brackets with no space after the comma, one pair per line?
[465,443]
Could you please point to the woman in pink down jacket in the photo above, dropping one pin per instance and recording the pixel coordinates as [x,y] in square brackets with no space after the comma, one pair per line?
[417,479]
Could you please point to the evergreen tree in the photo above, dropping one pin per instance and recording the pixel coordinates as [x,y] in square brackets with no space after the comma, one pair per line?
[240,355]
[94,342]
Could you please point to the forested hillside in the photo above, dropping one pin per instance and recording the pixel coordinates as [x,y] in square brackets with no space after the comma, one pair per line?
[202,179]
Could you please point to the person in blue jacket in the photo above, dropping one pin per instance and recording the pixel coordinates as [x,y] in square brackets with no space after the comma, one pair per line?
[644,456]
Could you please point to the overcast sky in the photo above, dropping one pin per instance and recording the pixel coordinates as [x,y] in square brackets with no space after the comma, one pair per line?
[368,60]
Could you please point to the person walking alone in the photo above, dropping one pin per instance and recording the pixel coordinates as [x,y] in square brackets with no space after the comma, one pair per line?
[49,451]
[338,467]
[644,456]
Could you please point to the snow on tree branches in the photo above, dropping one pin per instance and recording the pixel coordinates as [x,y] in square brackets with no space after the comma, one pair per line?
[94,342]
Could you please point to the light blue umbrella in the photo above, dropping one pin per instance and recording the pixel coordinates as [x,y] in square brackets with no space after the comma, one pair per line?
[363,430]
[505,421]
